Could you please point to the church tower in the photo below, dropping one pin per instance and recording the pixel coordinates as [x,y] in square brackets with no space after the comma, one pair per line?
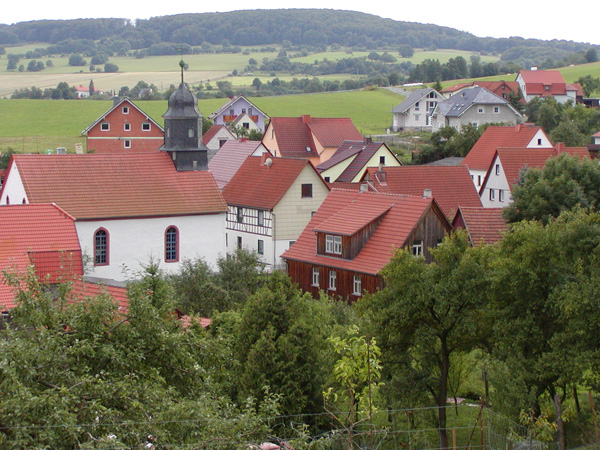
[183,130]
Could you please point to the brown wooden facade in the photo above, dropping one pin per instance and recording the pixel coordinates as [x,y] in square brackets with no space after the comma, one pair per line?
[430,231]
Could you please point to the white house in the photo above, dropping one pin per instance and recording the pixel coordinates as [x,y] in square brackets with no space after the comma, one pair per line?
[270,202]
[414,113]
[236,107]
[507,168]
[128,208]
[480,157]
[547,83]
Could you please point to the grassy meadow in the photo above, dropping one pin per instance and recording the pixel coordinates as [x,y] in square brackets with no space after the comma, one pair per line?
[32,126]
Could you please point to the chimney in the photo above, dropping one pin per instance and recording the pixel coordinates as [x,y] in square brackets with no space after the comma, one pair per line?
[380,167]
[306,118]
[427,193]
[368,140]
[560,147]
[263,158]
[518,128]
[364,187]
[116,100]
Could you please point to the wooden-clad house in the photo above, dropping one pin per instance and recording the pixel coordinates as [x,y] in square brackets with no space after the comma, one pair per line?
[354,234]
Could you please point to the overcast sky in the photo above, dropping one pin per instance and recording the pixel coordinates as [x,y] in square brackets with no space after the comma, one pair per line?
[529,19]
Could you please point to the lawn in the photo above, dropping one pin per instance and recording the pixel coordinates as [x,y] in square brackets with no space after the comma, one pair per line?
[37,125]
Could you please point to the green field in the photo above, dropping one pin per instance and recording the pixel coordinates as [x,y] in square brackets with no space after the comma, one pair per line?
[33,126]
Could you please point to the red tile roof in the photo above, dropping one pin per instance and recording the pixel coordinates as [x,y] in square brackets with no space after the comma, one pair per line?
[494,86]
[403,215]
[95,186]
[484,225]
[514,160]
[451,186]
[81,289]
[544,82]
[40,234]
[229,158]
[296,134]
[482,153]
[262,185]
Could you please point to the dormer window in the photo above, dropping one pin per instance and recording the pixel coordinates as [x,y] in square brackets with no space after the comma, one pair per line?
[308,149]
[417,248]
[191,132]
[333,244]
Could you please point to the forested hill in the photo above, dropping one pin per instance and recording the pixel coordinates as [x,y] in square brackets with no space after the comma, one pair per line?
[312,27]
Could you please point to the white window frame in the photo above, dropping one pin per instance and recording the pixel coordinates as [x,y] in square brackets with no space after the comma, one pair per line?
[500,195]
[127,143]
[497,169]
[357,285]
[417,247]
[492,195]
[127,126]
[260,218]
[333,244]
[105,126]
[480,110]
[146,126]
[332,280]
[315,276]
[496,110]
[125,110]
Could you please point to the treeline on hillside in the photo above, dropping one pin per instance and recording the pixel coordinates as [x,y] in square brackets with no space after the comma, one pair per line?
[298,27]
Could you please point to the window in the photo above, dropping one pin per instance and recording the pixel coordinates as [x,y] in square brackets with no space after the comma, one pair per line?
[315,276]
[243,110]
[240,215]
[172,244]
[125,109]
[246,125]
[127,126]
[261,247]
[231,112]
[105,126]
[239,242]
[496,110]
[417,248]
[290,243]
[382,160]
[492,194]
[222,142]
[540,141]
[261,218]
[127,143]
[497,169]
[500,195]
[307,190]
[191,132]
[478,180]
[332,280]
[250,111]
[101,247]
[146,126]
[327,179]
[480,110]
[357,285]
[333,244]
[417,106]
[504,96]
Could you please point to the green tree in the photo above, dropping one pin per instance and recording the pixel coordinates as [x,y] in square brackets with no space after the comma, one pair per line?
[424,314]
[81,374]
[77,60]
[111,68]
[565,182]
[591,55]
[569,134]
[536,347]
[279,345]
[406,51]
[257,83]
[589,84]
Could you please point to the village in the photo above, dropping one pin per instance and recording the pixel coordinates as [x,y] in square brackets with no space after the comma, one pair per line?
[314,198]
[327,213]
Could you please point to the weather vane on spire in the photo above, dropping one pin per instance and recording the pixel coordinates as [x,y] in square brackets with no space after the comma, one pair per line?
[181,62]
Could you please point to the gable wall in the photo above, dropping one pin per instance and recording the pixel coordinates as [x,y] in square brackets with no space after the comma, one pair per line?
[334,172]
[13,188]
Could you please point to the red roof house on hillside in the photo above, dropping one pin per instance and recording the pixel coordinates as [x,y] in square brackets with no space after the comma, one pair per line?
[308,137]
[451,186]
[270,202]
[353,235]
[548,83]
[124,128]
[483,225]
[480,157]
[500,88]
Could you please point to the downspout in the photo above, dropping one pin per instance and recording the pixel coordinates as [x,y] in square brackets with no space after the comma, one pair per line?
[273,234]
